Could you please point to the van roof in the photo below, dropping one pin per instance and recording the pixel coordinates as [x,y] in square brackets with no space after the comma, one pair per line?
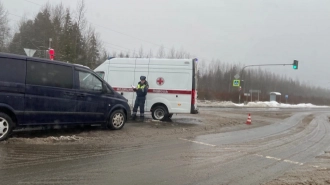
[23,57]
[8,55]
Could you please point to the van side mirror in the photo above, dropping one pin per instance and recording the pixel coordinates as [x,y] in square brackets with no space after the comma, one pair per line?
[105,89]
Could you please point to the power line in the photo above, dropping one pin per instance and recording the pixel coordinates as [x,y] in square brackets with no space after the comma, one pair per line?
[127,50]
[32,2]
[11,19]
[15,15]
[120,47]
[126,35]
[114,30]
[111,49]
[102,41]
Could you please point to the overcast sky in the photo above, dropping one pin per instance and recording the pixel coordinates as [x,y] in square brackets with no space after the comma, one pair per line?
[245,31]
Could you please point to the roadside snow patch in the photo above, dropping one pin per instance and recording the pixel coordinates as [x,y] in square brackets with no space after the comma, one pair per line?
[272,104]
[65,138]
[207,103]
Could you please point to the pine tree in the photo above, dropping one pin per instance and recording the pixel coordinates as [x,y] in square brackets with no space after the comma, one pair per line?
[67,48]
[93,51]
[4,29]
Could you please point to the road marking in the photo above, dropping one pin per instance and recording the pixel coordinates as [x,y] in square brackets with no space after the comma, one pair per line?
[258,155]
[292,162]
[269,157]
[201,143]
[321,168]
[279,159]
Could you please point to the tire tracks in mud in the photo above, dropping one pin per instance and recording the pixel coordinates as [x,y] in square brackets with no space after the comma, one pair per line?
[282,143]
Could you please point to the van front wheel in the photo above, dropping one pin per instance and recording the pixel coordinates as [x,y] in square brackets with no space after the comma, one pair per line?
[117,120]
[6,126]
[159,113]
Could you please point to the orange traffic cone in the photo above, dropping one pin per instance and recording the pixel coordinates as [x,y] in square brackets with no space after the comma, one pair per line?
[249,121]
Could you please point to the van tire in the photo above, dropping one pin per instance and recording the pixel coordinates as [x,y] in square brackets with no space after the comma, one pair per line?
[160,113]
[117,120]
[6,126]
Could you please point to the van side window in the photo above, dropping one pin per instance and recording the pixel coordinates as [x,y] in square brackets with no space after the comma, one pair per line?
[39,73]
[89,82]
[12,70]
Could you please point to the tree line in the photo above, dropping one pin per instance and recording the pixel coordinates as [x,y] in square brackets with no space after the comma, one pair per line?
[216,83]
[76,41]
[73,39]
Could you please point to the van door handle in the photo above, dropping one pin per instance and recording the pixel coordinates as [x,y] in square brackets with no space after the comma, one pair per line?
[69,93]
[176,95]
[81,95]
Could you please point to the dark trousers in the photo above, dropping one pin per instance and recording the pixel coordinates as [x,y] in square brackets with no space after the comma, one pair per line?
[139,102]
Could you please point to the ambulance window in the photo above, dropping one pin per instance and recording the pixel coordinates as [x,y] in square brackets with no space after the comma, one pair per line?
[100,73]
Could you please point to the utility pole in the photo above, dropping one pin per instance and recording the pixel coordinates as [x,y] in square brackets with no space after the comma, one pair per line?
[50,43]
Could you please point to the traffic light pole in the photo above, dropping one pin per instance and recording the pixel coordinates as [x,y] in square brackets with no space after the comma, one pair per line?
[257,65]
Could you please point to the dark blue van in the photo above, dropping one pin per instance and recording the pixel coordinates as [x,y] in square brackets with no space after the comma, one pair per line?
[36,92]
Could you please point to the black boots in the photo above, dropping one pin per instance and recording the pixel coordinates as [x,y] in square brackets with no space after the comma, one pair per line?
[133,117]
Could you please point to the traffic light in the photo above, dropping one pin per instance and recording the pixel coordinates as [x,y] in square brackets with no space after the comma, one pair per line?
[295,64]
[51,54]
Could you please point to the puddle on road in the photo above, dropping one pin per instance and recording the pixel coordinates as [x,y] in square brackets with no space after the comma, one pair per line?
[47,136]
[175,122]
[188,121]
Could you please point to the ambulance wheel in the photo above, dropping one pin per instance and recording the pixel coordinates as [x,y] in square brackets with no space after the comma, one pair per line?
[159,113]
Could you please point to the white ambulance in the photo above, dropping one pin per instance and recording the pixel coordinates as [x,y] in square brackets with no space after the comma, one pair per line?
[172,83]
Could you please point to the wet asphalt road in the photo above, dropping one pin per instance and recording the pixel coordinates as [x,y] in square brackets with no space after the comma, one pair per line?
[250,156]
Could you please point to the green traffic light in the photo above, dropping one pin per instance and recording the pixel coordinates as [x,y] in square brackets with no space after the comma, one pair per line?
[295,64]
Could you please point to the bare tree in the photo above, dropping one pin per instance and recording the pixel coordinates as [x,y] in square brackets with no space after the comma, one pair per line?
[171,54]
[114,54]
[180,54]
[80,15]
[58,14]
[150,55]
[161,52]
[141,54]
[4,28]
[187,55]
[121,55]
[81,23]
[134,54]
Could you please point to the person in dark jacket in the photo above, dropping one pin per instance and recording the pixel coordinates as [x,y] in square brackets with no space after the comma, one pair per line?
[141,93]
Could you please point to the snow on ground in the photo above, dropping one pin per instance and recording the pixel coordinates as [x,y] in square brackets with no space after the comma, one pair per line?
[272,104]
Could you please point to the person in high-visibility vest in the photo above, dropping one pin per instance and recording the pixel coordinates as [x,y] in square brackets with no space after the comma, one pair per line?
[141,93]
